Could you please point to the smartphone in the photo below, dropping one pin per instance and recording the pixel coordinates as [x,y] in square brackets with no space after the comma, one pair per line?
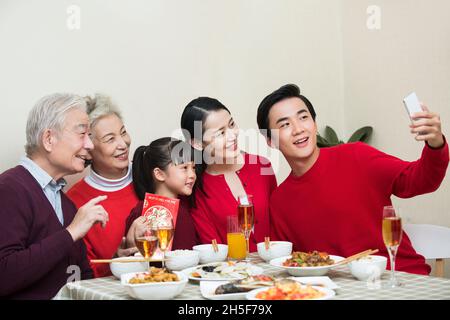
[412,104]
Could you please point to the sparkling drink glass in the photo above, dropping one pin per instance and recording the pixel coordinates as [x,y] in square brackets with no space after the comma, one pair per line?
[164,232]
[146,241]
[246,217]
[392,236]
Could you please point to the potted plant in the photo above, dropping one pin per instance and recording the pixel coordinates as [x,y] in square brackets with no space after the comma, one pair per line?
[331,139]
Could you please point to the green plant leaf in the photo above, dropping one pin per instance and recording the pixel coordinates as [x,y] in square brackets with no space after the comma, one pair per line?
[322,142]
[362,135]
[331,135]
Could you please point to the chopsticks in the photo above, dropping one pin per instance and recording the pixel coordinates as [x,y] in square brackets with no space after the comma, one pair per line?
[267,242]
[214,245]
[356,256]
[124,260]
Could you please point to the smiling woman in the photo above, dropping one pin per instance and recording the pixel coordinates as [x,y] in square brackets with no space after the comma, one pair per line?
[225,173]
[110,175]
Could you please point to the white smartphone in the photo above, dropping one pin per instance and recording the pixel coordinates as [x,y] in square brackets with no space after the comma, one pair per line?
[412,104]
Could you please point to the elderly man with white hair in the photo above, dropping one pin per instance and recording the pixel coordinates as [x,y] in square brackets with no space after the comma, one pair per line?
[40,228]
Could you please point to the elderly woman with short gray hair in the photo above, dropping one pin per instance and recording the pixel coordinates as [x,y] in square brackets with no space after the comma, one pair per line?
[40,228]
[110,174]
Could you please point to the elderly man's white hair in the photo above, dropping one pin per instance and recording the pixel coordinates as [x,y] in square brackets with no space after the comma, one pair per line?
[49,113]
[100,106]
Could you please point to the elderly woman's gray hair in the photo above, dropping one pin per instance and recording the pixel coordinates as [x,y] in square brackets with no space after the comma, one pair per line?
[100,106]
[49,113]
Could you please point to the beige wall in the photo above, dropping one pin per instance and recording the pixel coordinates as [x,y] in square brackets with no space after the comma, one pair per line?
[411,52]
[154,56]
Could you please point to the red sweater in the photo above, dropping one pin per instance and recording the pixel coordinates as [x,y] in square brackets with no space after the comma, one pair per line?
[212,209]
[103,243]
[337,205]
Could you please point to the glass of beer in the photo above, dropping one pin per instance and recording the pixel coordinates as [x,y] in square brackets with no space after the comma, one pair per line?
[392,236]
[164,233]
[146,241]
[246,217]
[237,247]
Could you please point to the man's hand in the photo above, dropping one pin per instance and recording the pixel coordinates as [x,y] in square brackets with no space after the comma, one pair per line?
[427,127]
[88,215]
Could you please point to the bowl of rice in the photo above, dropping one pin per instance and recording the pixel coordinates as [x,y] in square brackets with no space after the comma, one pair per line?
[178,260]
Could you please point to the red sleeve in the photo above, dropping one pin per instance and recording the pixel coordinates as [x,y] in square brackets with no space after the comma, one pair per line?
[402,178]
[99,269]
[206,230]
[267,170]
[424,175]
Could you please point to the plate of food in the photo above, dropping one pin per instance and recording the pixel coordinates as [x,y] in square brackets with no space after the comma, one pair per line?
[307,263]
[234,290]
[229,270]
[291,290]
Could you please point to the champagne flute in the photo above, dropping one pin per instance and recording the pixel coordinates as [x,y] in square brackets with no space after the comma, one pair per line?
[164,233]
[146,241]
[246,218]
[392,236]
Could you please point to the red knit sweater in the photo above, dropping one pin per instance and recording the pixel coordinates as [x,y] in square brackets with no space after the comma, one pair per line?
[103,243]
[212,209]
[337,205]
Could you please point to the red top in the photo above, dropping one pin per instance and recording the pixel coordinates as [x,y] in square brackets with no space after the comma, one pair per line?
[212,208]
[103,243]
[337,205]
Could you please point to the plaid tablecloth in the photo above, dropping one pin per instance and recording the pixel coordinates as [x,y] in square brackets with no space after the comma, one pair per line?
[416,287]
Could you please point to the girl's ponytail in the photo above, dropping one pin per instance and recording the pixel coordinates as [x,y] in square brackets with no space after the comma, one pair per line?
[142,177]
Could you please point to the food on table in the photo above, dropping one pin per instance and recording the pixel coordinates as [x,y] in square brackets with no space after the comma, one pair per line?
[154,275]
[290,290]
[228,270]
[245,285]
[310,259]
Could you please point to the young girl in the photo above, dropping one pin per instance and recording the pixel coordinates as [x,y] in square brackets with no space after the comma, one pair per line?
[165,167]
[226,172]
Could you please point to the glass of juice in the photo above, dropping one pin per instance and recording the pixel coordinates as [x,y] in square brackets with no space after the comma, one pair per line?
[237,247]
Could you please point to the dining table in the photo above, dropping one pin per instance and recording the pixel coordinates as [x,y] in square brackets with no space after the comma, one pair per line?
[415,287]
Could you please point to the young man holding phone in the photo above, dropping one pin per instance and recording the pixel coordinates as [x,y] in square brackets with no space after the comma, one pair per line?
[333,199]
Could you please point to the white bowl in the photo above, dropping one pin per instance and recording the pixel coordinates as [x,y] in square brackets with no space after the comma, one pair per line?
[154,290]
[208,255]
[119,268]
[276,249]
[304,271]
[367,267]
[178,260]
[328,293]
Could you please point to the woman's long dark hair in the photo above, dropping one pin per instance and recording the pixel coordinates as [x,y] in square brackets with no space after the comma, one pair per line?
[158,154]
[193,124]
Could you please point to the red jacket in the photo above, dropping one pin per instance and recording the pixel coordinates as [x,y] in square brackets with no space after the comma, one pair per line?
[213,206]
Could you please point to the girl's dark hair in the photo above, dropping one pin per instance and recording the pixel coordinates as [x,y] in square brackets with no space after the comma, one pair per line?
[158,154]
[193,124]
[285,92]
